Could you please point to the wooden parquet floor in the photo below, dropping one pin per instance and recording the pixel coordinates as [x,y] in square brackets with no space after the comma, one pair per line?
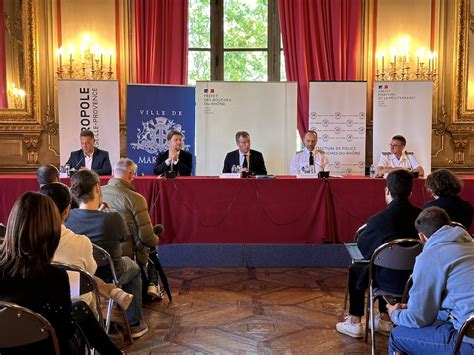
[251,311]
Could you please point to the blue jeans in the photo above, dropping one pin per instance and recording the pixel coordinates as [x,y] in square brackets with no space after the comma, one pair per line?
[131,282]
[438,338]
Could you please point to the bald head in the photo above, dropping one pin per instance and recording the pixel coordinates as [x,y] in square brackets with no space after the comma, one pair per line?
[310,140]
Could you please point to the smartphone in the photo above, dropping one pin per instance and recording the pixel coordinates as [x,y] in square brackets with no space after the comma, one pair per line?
[390,300]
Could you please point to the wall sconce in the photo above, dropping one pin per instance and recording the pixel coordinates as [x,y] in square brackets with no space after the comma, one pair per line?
[401,63]
[91,64]
[16,96]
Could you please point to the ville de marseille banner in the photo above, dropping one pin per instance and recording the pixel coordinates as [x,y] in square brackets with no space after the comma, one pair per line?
[153,111]
[403,107]
[337,111]
[266,110]
[89,105]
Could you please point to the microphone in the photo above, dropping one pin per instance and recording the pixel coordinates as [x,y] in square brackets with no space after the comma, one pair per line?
[158,229]
[79,162]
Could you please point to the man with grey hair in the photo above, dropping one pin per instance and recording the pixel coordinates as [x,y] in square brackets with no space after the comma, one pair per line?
[46,174]
[244,159]
[121,197]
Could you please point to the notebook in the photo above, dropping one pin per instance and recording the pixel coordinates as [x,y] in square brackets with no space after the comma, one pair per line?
[355,253]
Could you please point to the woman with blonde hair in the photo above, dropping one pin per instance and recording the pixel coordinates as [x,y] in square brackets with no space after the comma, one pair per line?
[28,278]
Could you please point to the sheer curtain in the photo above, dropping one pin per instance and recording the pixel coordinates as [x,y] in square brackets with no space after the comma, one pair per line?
[320,42]
[161,28]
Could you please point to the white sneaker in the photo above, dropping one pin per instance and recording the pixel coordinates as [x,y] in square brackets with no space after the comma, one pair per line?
[382,326]
[347,328]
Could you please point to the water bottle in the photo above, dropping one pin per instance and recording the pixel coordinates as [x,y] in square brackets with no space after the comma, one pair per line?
[372,171]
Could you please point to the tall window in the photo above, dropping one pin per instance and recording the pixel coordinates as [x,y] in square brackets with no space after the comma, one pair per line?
[234,40]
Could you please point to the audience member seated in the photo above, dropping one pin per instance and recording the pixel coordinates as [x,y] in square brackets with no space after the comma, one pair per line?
[28,279]
[244,159]
[122,197]
[108,230]
[310,159]
[90,157]
[397,220]
[175,158]
[75,249]
[445,188]
[442,295]
[398,158]
[47,174]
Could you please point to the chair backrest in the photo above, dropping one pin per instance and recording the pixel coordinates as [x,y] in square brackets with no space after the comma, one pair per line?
[398,254]
[458,224]
[103,258]
[87,283]
[3,230]
[359,231]
[21,326]
[467,329]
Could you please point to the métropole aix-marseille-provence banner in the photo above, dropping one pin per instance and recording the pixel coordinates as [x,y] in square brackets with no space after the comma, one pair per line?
[152,111]
[89,105]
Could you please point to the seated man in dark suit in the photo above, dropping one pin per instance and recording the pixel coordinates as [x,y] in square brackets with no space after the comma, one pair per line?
[248,160]
[396,221]
[89,156]
[174,159]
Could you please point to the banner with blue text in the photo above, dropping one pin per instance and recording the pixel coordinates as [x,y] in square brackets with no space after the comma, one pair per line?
[153,111]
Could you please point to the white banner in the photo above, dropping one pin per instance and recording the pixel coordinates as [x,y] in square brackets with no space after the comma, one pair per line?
[266,110]
[403,107]
[337,112]
[92,105]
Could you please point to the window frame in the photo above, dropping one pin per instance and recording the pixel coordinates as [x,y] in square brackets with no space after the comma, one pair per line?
[217,50]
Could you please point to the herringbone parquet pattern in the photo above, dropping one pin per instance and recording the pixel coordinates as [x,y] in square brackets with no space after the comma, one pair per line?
[251,311]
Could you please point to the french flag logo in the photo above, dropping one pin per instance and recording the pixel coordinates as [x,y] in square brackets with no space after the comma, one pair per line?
[208,91]
[380,87]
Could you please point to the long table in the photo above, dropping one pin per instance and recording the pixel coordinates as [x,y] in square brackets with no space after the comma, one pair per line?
[283,210]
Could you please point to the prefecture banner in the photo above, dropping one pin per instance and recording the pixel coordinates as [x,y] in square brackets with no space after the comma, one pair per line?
[153,111]
[337,112]
[88,105]
[403,107]
[266,110]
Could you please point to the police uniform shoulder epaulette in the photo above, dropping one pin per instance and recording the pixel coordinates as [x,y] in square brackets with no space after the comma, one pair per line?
[299,151]
[386,153]
[409,153]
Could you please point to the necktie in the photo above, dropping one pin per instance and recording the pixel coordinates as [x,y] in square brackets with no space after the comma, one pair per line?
[245,164]
[311,159]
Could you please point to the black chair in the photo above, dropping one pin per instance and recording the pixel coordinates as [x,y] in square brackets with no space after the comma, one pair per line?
[103,258]
[21,326]
[457,224]
[399,254]
[3,230]
[467,329]
[87,284]
[356,237]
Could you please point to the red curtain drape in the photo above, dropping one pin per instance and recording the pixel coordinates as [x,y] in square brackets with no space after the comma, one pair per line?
[320,42]
[3,67]
[161,28]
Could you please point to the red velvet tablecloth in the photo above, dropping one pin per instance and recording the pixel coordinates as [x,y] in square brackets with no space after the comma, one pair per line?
[281,210]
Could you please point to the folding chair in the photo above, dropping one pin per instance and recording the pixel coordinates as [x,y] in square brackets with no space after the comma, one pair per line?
[103,258]
[356,237]
[87,284]
[24,327]
[399,254]
[467,329]
[457,224]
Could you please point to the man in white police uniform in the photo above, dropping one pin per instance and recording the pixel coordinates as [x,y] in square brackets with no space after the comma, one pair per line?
[310,159]
[398,158]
